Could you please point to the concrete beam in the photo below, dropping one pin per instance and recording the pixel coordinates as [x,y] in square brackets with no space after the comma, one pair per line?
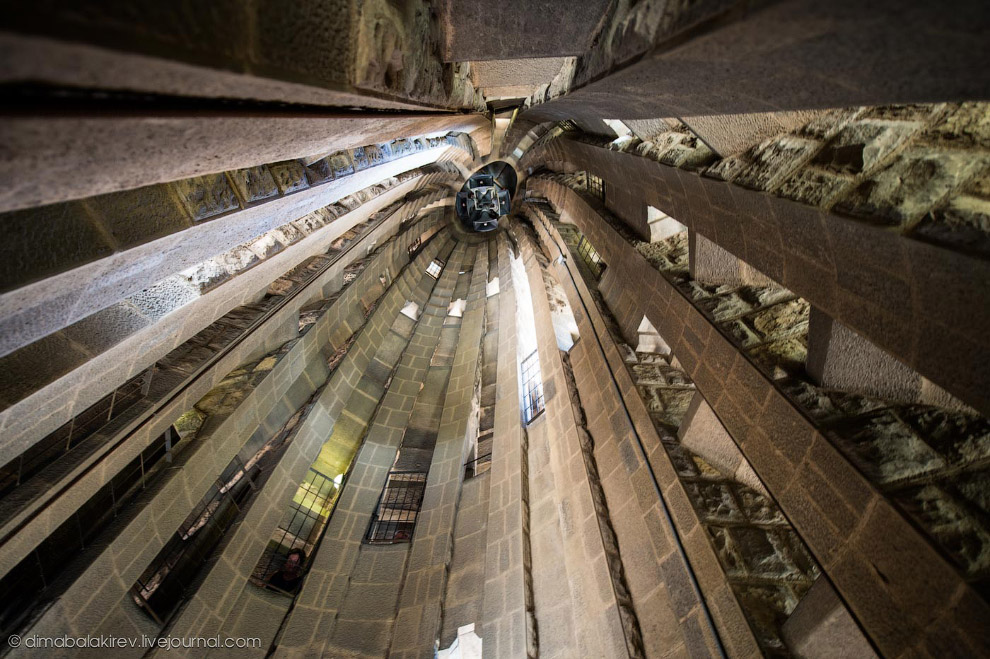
[830,58]
[68,261]
[50,158]
[916,300]
[841,359]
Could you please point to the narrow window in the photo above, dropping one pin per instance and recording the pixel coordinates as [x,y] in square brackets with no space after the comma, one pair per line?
[398,507]
[434,268]
[596,186]
[618,127]
[162,586]
[414,247]
[662,226]
[532,386]
[591,257]
[300,529]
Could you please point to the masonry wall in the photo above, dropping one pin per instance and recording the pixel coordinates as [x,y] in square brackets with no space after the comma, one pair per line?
[847,524]
[817,225]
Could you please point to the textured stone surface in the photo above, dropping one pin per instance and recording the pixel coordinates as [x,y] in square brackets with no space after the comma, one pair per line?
[698,496]
[551,29]
[515,72]
[821,493]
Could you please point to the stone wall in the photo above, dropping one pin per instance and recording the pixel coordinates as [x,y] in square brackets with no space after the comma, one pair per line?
[812,482]
[114,364]
[859,271]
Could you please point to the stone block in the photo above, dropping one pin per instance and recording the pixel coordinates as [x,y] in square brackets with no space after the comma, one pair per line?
[703,433]
[841,359]
[26,370]
[104,329]
[367,601]
[711,264]
[253,184]
[206,196]
[164,297]
[821,626]
[320,171]
[290,176]
[44,241]
[960,224]
[911,185]
[341,164]
[774,161]
[138,216]
[358,638]
[860,145]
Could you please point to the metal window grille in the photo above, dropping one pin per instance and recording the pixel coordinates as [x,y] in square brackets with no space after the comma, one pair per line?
[84,425]
[434,268]
[414,247]
[590,257]
[36,580]
[596,186]
[479,465]
[302,526]
[532,387]
[162,586]
[398,507]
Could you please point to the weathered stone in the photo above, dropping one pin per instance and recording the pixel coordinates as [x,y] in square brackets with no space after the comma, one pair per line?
[254,183]
[290,176]
[963,223]
[861,145]
[910,186]
[206,196]
[774,160]
[341,164]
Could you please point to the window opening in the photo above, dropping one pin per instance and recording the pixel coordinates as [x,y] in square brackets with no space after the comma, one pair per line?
[662,226]
[591,257]
[434,268]
[162,586]
[596,186]
[397,509]
[618,127]
[300,529]
[532,387]
[415,246]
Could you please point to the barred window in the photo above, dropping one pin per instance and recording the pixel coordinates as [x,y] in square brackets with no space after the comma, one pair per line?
[414,247]
[162,586]
[434,268]
[302,525]
[591,257]
[596,186]
[532,387]
[398,507]
[59,444]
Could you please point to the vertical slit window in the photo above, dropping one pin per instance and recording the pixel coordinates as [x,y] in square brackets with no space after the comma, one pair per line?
[591,257]
[300,529]
[162,586]
[398,507]
[532,385]
[596,186]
